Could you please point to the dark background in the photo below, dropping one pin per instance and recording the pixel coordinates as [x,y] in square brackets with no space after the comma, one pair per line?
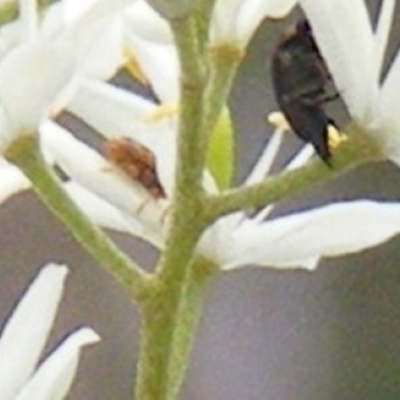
[265,334]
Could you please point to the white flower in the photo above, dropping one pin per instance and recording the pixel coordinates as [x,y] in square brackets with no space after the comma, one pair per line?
[295,240]
[40,62]
[149,39]
[115,201]
[291,241]
[22,341]
[354,52]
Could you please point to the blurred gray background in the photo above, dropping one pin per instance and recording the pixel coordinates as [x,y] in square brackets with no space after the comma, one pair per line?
[265,334]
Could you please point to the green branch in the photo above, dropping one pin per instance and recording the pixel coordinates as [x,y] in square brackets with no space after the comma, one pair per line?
[25,154]
[356,150]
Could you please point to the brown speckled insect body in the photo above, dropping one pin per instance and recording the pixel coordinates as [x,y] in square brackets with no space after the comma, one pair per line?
[136,161]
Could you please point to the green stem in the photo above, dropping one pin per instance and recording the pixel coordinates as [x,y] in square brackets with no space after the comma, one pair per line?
[168,340]
[176,286]
[25,153]
[191,141]
[355,151]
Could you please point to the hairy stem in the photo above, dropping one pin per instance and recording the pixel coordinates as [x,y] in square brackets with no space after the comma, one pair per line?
[170,314]
[355,151]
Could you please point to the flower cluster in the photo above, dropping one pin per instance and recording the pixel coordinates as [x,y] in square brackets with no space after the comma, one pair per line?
[72,70]
[62,60]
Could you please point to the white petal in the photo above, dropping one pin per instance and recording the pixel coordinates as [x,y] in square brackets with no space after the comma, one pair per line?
[253,12]
[217,238]
[146,23]
[94,172]
[100,48]
[108,216]
[276,8]
[387,132]
[344,35]
[74,10]
[30,79]
[26,332]
[160,63]
[84,12]
[28,14]
[53,379]
[91,31]
[382,34]
[101,97]
[52,22]
[301,239]
[10,36]
[236,20]
[264,163]
[223,23]
[301,158]
[116,113]
[12,181]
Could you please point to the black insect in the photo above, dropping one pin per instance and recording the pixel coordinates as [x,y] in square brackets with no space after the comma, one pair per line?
[302,86]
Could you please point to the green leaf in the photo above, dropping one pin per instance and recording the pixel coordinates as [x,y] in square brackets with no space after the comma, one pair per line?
[220,151]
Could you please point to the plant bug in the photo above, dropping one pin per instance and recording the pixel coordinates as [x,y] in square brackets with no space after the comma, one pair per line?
[136,161]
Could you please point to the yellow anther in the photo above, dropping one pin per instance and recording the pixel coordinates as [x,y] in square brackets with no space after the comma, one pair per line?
[160,112]
[133,67]
[278,121]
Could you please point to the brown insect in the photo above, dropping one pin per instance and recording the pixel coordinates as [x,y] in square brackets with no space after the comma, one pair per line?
[136,161]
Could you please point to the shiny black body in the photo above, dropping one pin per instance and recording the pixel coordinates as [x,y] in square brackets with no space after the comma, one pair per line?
[302,86]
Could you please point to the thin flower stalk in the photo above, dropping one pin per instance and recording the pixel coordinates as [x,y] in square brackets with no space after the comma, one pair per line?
[355,151]
[26,155]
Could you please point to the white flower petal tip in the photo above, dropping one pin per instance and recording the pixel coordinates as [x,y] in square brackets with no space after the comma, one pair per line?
[147,23]
[83,336]
[26,331]
[54,377]
[280,9]
[235,21]
[12,181]
[300,240]
[46,288]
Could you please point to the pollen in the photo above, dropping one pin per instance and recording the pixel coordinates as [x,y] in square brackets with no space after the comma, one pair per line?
[278,120]
[133,67]
[160,112]
[335,137]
